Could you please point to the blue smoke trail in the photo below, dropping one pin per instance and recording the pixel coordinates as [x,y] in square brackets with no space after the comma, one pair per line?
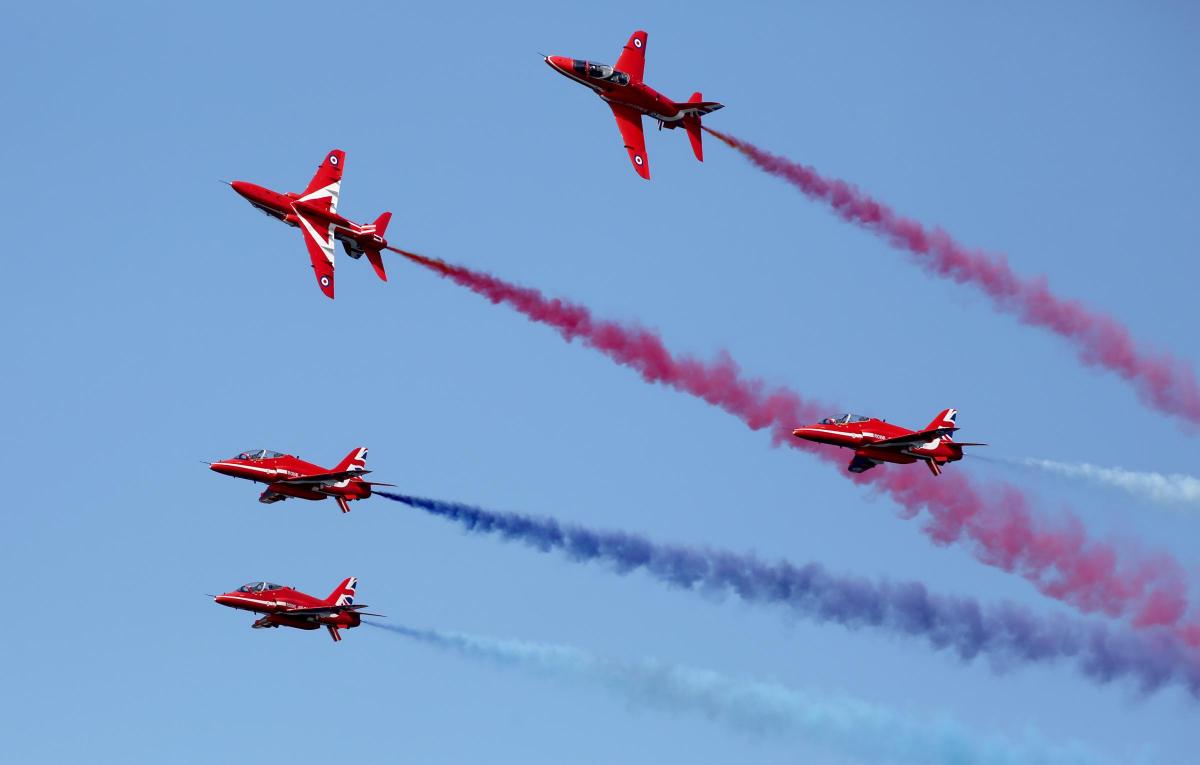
[1007,634]
[851,726]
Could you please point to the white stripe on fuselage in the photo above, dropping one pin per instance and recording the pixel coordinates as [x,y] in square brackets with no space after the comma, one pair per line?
[834,432]
[256,601]
[565,73]
[270,471]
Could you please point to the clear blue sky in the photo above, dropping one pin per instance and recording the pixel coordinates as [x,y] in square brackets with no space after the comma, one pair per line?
[154,320]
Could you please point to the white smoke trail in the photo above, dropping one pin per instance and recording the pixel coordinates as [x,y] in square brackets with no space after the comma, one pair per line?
[1165,488]
[869,732]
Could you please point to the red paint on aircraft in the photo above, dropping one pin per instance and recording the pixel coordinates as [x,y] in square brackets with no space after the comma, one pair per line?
[621,87]
[288,607]
[289,476]
[875,441]
[314,212]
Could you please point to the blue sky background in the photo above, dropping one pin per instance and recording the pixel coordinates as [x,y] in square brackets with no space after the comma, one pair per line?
[154,320]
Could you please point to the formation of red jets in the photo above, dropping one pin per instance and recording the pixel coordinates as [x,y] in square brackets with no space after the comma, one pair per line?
[314,212]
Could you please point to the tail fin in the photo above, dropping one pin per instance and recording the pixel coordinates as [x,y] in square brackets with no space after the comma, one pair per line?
[691,124]
[376,256]
[381,223]
[944,420]
[355,460]
[343,594]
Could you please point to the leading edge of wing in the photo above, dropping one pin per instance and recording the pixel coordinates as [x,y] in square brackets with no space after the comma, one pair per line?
[629,122]
[326,611]
[323,477]
[632,60]
[320,252]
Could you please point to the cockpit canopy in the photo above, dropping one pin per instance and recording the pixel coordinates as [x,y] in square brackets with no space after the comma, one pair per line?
[599,72]
[259,587]
[258,454]
[845,419]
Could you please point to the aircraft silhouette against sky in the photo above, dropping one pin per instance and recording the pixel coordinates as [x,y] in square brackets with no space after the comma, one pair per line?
[289,476]
[288,607]
[314,212]
[629,98]
[875,441]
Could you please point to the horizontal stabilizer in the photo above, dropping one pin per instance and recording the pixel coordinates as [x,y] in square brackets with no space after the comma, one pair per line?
[692,124]
[376,258]
[698,108]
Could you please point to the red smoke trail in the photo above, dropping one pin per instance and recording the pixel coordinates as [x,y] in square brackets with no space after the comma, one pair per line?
[996,520]
[719,382]
[1161,380]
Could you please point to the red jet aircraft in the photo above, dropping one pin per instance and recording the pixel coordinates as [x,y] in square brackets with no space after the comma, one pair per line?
[875,441]
[314,212]
[289,476]
[288,607]
[629,98]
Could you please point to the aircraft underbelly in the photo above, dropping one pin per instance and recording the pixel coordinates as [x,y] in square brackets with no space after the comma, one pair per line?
[887,455]
[295,491]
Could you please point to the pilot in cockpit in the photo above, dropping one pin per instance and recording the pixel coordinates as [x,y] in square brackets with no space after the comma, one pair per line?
[844,419]
[258,454]
[258,587]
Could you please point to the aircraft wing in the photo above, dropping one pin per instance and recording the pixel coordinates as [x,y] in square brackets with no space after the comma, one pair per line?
[630,123]
[323,478]
[326,611]
[912,439]
[318,238]
[327,182]
[633,57]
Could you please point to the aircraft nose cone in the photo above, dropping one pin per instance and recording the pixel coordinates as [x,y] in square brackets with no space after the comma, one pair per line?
[222,600]
[800,432]
[559,62]
[242,188]
[223,468]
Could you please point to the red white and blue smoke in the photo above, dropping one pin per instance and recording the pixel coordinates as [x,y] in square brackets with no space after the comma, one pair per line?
[995,521]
